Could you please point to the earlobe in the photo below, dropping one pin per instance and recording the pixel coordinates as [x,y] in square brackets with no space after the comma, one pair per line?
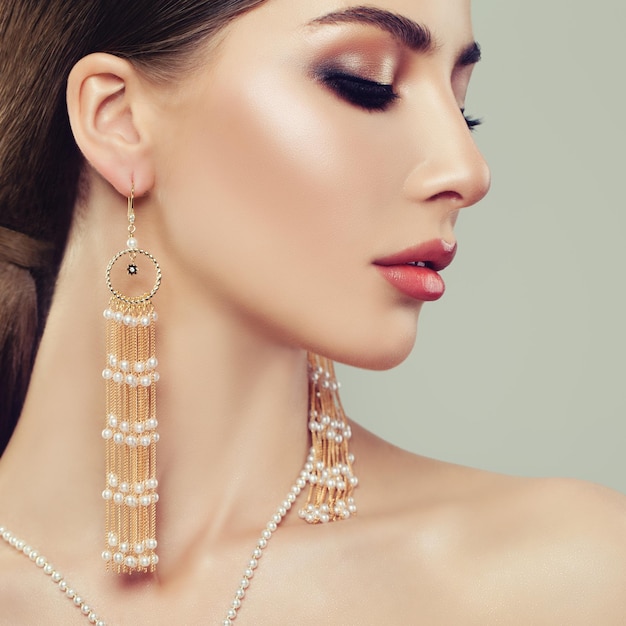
[105,115]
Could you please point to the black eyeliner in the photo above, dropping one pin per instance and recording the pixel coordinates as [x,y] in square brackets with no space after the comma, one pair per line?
[362,92]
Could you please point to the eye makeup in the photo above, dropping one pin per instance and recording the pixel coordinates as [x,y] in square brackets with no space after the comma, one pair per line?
[363,92]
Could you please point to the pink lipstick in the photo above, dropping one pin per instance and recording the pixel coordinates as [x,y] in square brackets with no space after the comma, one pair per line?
[415,271]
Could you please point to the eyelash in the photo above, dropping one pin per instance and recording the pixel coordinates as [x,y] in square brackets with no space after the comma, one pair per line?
[369,94]
[472,122]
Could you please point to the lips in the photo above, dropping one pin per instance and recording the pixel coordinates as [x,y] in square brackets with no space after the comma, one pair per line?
[414,271]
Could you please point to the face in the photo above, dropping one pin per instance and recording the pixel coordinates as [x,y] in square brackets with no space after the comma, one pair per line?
[311,150]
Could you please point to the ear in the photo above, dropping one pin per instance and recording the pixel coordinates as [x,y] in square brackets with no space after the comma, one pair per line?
[104,103]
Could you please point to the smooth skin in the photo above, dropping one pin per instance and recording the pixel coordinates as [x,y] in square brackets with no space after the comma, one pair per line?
[266,197]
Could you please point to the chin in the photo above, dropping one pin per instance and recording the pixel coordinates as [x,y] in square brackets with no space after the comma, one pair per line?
[374,352]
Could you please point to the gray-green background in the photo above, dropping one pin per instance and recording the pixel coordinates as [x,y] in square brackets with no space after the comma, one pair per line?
[520,368]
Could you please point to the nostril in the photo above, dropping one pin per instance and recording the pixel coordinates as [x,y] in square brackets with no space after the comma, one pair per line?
[446,195]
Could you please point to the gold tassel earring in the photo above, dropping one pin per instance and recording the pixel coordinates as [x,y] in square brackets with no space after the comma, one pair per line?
[130,433]
[328,469]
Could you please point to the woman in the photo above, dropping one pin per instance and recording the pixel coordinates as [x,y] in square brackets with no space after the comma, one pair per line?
[297,169]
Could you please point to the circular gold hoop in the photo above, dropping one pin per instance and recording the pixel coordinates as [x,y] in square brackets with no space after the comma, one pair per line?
[138,299]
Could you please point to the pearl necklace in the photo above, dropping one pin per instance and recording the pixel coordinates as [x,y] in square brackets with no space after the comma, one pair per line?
[87,610]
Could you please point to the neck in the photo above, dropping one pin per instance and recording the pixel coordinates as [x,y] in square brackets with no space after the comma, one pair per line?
[232,408]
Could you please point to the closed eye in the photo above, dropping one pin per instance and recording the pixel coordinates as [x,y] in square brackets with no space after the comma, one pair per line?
[366,94]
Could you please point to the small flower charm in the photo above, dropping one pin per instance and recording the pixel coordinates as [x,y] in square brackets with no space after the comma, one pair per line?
[132,269]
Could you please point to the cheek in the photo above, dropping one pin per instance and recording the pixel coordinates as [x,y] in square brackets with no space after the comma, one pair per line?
[282,195]
[268,171]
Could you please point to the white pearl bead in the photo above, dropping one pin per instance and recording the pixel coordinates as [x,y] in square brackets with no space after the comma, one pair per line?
[107,374]
[118,558]
[140,367]
[144,561]
[124,427]
[118,316]
[151,544]
[124,365]
[145,381]
[107,433]
[145,441]
[124,487]
[131,380]
[118,377]
[128,320]
[145,500]
[106,556]
[152,483]
[139,427]
[118,498]
[139,548]
[139,488]
[124,547]
[107,494]
[112,480]
[112,421]
[152,363]
[145,320]
[131,243]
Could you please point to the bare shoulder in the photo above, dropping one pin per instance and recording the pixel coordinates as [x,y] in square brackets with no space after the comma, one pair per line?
[552,549]
[15,596]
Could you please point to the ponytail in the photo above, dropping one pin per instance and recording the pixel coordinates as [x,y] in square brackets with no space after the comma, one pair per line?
[23,263]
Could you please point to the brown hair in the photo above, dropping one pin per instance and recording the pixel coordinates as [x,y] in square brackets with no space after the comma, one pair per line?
[40,164]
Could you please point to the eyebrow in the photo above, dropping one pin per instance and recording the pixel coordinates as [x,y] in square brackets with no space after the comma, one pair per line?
[414,36]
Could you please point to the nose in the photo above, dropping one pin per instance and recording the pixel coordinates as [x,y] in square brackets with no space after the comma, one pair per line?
[449,165]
